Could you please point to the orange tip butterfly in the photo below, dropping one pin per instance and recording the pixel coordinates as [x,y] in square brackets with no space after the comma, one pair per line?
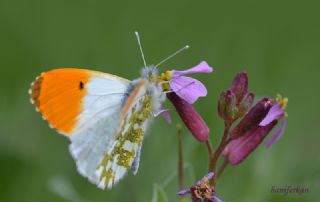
[104,116]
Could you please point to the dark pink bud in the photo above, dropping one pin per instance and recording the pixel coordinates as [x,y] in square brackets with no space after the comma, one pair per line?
[190,117]
[237,150]
[252,118]
[235,102]
[239,86]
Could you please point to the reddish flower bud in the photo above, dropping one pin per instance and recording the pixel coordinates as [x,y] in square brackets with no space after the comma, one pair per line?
[190,117]
[239,86]
[236,101]
[252,118]
[237,150]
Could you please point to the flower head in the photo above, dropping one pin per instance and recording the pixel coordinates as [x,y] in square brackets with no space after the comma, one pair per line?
[202,191]
[254,127]
[187,88]
[252,119]
[276,112]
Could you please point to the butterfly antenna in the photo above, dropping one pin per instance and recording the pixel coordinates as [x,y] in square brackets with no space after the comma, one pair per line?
[140,47]
[172,55]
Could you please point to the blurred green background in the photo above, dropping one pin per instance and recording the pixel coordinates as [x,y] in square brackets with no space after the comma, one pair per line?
[276,42]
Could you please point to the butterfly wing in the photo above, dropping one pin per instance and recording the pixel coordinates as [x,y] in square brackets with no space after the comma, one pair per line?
[104,116]
[125,150]
[83,105]
[70,99]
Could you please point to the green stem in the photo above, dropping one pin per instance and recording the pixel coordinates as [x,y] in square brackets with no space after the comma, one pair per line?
[180,158]
[221,169]
[215,156]
[209,147]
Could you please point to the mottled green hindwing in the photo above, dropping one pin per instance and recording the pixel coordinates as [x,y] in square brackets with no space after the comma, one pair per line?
[126,144]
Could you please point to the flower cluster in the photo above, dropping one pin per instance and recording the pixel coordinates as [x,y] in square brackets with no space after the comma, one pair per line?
[235,106]
[184,91]
[254,127]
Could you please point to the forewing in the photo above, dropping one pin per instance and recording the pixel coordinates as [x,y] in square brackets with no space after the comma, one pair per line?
[85,106]
[69,98]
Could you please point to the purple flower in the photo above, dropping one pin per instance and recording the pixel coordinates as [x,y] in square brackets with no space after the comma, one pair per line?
[252,119]
[254,127]
[183,92]
[202,191]
[187,88]
[276,112]
[196,125]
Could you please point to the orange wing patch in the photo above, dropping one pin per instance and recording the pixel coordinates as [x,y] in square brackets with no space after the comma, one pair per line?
[58,95]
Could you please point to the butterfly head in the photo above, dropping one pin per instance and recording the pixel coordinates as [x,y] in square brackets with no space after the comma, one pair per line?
[150,73]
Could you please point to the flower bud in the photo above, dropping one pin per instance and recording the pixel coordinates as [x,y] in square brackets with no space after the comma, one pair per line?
[252,118]
[237,150]
[235,102]
[190,117]
[239,86]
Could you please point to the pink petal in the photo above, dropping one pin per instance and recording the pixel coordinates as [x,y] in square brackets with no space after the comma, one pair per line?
[274,113]
[188,88]
[184,192]
[209,176]
[277,134]
[203,67]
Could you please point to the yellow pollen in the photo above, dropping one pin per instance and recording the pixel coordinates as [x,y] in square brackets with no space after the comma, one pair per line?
[164,78]
[283,101]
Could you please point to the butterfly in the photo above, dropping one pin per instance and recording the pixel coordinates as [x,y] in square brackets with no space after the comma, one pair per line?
[104,116]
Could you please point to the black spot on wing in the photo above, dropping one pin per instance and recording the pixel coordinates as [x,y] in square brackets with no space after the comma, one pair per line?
[81,85]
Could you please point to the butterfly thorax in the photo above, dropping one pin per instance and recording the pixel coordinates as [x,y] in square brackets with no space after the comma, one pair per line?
[154,88]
